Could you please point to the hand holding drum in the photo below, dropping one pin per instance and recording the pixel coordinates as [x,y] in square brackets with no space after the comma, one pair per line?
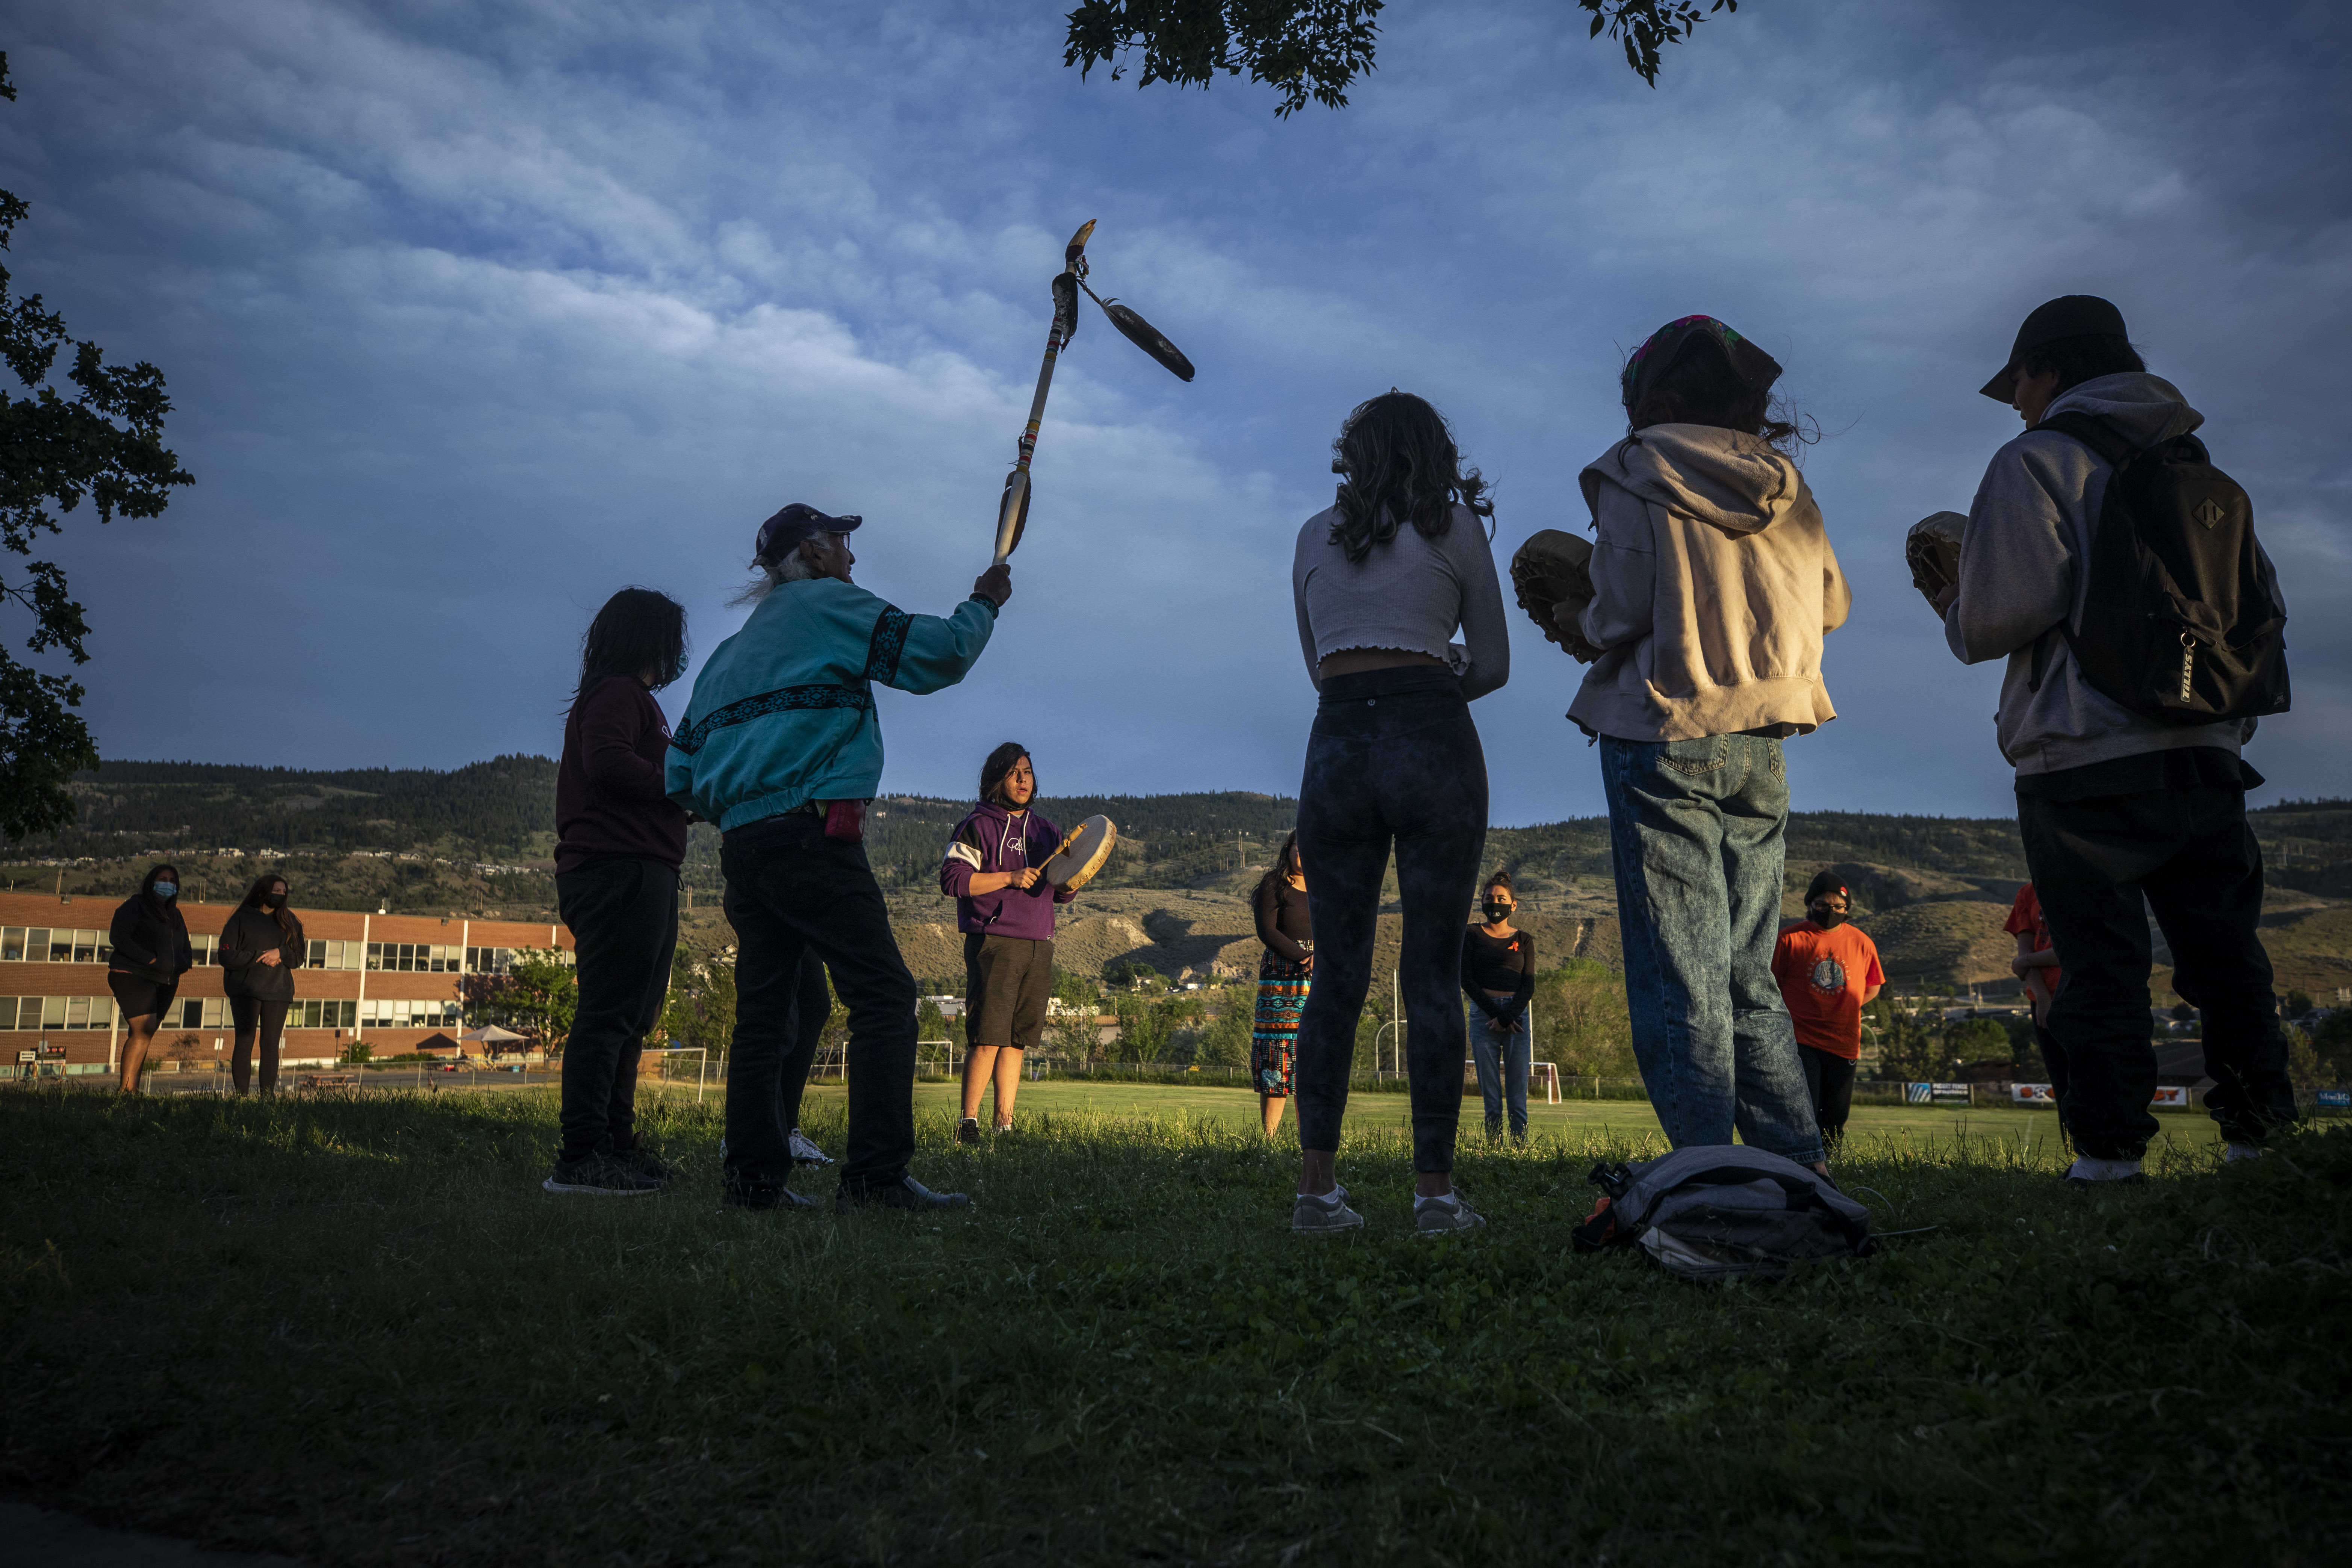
[1552,574]
[1933,551]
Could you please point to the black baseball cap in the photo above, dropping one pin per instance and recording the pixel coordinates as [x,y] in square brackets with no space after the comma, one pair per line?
[795,522]
[2067,316]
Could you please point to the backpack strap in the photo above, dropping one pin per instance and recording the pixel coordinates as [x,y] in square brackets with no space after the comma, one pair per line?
[2097,434]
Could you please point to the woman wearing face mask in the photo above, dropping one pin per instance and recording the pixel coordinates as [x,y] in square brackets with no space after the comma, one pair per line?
[1827,973]
[261,949]
[150,952]
[1498,974]
[1284,975]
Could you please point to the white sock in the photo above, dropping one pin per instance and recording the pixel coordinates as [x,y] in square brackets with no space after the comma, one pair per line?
[2089,1170]
[1329,1200]
[1448,1199]
[2236,1151]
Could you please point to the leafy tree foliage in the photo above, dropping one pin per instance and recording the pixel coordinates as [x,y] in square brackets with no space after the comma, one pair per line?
[103,446]
[538,996]
[701,1006]
[1311,48]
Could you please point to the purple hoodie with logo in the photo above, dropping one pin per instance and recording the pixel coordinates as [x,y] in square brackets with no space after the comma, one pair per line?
[992,838]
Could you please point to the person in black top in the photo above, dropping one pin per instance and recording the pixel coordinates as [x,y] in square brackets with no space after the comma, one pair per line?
[260,948]
[150,951]
[1498,974]
[1283,976]
[620,842]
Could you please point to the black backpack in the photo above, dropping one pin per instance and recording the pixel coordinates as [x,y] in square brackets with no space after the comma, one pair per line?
[2181,621]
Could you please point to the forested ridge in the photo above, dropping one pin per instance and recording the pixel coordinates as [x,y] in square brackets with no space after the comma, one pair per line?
[504,810]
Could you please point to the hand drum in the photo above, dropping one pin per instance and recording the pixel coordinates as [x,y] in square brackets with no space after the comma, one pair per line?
[1082,853]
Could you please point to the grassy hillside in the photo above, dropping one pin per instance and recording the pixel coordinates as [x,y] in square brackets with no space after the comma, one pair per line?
[479,841]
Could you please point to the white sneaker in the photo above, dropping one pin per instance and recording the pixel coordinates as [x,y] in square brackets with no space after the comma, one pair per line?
[1444,1216]
[1324,1216]
[806,1152]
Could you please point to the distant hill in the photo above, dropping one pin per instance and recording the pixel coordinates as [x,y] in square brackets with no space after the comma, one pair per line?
[480,840]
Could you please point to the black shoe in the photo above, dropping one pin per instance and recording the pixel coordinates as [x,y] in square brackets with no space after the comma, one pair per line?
[600,1175]
[762,1195]
[968,1129]
[2085,1183]
[903,1193]
[646,1163]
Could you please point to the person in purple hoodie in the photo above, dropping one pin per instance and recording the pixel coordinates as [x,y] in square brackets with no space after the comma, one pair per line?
[994,871]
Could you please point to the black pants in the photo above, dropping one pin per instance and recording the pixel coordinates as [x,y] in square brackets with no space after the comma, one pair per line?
[792,890]
[1394,759]
[812,1009]
[1829,1084]
[623,913]
[2053,1063]
[2190,854]
[254,1017]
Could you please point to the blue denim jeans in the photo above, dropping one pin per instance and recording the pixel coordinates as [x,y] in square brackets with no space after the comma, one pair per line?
[1698,832]
[1502,1073]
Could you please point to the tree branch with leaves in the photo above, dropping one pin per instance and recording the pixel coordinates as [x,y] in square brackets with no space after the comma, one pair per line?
[1312,48]
[103,445]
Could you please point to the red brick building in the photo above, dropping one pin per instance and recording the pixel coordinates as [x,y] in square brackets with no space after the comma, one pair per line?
[389,980]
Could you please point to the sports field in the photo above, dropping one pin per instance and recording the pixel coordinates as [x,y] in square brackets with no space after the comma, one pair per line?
[355,1330]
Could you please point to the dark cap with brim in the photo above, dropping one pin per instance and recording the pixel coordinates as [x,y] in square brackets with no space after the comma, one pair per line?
[2067,316]
[796,523]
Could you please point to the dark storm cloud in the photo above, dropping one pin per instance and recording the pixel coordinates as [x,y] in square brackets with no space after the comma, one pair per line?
[473,315]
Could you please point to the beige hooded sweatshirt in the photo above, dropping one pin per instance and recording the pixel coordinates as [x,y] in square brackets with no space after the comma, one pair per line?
[1714,584]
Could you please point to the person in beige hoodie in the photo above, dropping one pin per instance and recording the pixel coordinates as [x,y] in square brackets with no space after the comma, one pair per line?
[1713,585]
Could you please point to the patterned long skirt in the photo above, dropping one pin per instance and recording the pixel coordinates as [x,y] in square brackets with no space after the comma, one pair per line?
[1273,1032]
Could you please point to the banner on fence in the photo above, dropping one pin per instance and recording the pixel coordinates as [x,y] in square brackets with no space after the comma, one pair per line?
[2032,1094]
[2337,1099]
[2170,1096]
[1921,1094]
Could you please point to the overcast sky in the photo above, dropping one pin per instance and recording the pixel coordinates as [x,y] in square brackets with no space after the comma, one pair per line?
[473,313]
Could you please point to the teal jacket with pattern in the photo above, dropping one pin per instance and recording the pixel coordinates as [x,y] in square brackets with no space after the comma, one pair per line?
[782,712]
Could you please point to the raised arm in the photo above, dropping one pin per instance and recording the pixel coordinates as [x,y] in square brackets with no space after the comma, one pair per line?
[924,653]
[2017,568]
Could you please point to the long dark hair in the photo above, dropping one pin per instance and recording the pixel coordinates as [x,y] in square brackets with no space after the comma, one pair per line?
[637,630]
[1280,870]
[994,772]
[1700,389]
[1398,465]
[288,927]
[147,885]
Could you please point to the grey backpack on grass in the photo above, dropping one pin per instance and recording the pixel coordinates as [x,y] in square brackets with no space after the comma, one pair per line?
[1725,1211]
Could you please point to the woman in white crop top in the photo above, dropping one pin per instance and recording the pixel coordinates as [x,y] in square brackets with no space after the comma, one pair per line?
[1381,582]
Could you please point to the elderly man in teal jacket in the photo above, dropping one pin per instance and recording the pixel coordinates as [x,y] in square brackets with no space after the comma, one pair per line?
[782,748]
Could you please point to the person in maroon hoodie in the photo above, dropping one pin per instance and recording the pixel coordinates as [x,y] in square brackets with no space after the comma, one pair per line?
[619,844]
[994,871]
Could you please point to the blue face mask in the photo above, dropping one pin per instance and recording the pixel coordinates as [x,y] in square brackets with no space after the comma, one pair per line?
[166,890]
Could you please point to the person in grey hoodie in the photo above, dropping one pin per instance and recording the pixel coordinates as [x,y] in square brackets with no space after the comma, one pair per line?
[2118,813]
[1713,585]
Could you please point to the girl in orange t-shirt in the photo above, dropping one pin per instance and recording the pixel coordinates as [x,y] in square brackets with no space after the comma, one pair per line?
[1827,973]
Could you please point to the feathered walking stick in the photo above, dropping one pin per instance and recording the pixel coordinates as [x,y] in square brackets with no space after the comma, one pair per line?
[1012,510]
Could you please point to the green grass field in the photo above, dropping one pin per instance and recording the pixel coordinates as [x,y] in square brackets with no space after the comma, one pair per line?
[356,1332]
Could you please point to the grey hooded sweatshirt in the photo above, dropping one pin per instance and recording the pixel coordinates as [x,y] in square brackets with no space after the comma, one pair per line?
[1714,584]
[2029,531]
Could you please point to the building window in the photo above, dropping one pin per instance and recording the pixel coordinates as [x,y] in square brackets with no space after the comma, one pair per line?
[53,944]
[198,1012]
[339,955]
[403,1014]
[205,949]
[56,1012]
[488,960]
[309,1015]
[414,957]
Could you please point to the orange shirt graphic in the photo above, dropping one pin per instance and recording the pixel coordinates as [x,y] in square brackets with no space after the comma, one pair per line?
[1822,974]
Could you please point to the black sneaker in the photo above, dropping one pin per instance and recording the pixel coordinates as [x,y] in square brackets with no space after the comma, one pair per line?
[762,1195]
[646,1163]
[600,1175]
[904,1194]
[968,1129]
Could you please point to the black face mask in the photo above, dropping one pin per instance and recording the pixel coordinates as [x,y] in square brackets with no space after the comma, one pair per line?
[273,902]
[1826,917]
[1498,911]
